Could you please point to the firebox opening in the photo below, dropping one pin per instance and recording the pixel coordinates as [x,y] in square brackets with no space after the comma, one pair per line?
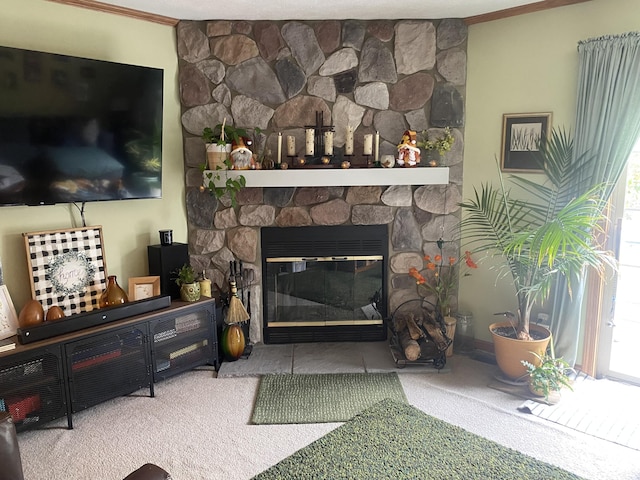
[324,283]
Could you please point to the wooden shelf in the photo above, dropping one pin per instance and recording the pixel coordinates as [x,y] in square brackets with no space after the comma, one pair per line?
[308,177]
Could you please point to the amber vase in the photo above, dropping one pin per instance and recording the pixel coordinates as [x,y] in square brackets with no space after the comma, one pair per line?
[113,294]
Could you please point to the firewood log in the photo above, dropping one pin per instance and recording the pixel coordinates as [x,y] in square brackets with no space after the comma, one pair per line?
[409,345]
[429,325]
[414,330]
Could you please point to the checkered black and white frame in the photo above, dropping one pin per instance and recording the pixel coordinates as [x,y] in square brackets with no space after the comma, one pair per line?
[47,253]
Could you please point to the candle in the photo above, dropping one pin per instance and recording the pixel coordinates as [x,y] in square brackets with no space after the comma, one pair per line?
[205,287]
[348,148]
[309,139]
[291,145]
[368,144]
[279,157]
[377,150]
[328,143]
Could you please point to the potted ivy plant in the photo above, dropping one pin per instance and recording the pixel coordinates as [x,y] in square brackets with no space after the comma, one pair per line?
[547,236]
[187,281]
[218,141]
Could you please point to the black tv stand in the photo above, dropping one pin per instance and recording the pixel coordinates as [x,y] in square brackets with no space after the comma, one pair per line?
[59,376]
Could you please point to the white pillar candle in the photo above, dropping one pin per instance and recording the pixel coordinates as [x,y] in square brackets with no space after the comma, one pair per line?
[348,147]
[328,143]
[368,144]
[309,139]
[279,157]
[377,146]
[291,145]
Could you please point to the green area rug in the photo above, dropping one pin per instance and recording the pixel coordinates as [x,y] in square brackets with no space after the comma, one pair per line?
[322,398]
[392,440]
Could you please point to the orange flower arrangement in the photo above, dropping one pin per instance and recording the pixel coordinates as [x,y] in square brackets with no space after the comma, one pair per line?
[445,278]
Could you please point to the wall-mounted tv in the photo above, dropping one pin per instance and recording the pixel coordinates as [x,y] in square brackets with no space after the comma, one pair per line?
[78,130]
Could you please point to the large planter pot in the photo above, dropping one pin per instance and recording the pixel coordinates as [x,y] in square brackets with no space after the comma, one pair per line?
[510,351]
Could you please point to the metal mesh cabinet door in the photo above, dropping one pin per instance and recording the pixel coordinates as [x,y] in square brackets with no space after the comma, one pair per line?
[106,366]
[32,387]
[182,342]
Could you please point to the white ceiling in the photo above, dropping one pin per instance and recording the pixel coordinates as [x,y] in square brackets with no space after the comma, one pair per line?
[317,9]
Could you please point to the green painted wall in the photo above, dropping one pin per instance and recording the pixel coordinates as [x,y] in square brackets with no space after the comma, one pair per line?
[128,226]
[518,65]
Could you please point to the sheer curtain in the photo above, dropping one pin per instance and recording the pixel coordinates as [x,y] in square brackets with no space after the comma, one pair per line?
[607,125]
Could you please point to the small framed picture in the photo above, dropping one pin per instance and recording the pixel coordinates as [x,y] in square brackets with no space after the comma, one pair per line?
[523,134]
[143,287]
[8,316]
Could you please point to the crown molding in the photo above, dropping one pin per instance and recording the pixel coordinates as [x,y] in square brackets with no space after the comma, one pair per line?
[122,11]
[522,10]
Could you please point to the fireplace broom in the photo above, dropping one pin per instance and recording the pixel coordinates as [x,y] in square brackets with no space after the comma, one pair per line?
[236,312]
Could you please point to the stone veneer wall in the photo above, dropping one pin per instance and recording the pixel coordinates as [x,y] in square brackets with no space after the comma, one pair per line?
[385,76]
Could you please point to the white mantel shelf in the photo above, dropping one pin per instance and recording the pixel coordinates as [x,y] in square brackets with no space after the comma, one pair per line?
[338,177]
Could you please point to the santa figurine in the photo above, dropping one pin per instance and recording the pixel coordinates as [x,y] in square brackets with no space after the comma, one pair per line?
[241,156]
[408,151]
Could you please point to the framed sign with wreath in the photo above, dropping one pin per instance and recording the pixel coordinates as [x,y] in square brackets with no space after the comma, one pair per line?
[67,268]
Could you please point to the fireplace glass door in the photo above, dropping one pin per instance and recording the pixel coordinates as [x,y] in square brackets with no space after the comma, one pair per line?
[324,291]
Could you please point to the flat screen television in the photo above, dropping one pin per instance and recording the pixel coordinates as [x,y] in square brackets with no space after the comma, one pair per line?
[78,130]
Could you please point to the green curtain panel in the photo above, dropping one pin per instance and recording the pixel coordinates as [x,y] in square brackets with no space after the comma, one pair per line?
[607,125]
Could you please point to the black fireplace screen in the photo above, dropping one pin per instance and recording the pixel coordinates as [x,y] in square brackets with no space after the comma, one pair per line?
[324,290]
[324,283]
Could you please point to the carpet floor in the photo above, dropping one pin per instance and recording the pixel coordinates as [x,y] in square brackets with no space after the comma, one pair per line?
[393,440]
[321,398]
[198,427]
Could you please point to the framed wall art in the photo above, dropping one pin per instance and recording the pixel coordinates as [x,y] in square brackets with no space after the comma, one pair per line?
[67,268]
[143,287]
[8,316]
[522,134]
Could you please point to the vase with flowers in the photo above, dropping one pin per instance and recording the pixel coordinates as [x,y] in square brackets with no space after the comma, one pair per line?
[439,277]
[438,280]
[436,145]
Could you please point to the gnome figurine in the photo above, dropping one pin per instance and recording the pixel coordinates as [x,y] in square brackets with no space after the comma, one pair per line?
[408,151]
[241,156]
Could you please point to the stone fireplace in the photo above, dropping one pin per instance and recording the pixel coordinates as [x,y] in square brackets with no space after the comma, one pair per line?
[375,76]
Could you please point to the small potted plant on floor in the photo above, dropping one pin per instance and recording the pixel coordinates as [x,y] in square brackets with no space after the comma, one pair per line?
[549,377]
[189,286]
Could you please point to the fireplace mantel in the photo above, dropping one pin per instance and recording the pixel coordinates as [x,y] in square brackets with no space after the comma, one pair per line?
[319,177]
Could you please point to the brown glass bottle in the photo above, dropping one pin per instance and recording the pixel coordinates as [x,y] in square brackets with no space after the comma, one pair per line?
[113,294]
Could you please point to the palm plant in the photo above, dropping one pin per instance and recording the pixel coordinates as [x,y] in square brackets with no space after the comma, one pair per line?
[547,237]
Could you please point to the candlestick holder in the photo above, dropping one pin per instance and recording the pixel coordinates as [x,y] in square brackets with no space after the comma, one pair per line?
[319,129]
[368,159]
